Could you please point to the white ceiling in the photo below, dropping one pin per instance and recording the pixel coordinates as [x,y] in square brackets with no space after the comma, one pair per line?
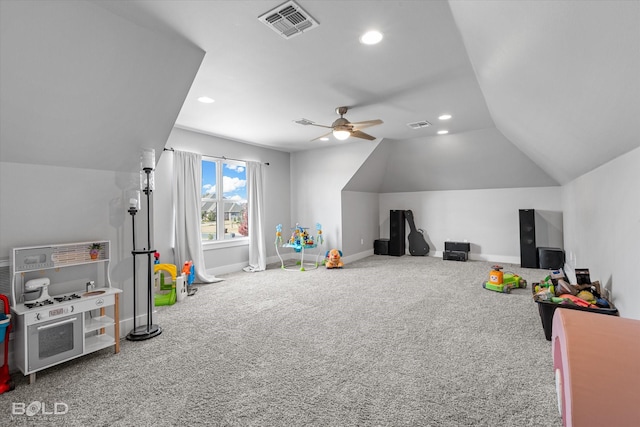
[550,89]
[262,82]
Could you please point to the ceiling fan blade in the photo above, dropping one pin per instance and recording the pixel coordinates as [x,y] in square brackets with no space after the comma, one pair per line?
[359,134]
[320,126]
[307,122]
[321,136]
[367,123]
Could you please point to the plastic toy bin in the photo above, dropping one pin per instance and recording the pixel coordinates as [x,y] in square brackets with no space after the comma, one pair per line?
[547,308]
[4,324]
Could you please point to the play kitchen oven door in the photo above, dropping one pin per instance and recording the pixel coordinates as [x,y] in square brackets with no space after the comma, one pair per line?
[54,341]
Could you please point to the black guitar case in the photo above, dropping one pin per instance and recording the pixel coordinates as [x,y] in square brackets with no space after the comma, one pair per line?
[417,245]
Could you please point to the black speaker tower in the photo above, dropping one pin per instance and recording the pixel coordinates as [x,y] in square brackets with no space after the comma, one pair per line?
[528,251]
[397,235]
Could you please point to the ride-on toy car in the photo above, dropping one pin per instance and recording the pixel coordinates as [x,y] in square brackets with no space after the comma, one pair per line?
[503,282]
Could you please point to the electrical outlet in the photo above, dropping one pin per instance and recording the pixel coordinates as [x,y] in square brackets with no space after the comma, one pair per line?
[361,241]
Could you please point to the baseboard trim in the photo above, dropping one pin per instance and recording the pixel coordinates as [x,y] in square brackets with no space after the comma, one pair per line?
[355,257]
[233,268]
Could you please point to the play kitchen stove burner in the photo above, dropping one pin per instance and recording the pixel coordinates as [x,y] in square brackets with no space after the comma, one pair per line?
[67,297]
[40,306]
[41,287]
[38,303]
[53,300]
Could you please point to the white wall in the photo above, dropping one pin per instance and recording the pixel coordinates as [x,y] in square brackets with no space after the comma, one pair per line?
[317,180]
[360,223]
[222,258]
[488,219]
[602,228]
[49,204]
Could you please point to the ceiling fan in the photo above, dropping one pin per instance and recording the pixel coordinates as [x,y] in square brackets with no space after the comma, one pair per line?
[343,128]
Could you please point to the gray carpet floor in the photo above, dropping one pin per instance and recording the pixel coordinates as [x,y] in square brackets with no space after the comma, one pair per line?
[385,341]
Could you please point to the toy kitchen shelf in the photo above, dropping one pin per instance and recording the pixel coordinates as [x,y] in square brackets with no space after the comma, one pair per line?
[63,304]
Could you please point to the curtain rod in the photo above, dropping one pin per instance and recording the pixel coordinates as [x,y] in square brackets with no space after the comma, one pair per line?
[218,157]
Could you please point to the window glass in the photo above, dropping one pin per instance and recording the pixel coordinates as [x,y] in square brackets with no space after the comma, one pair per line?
[208,219]
[209,225]
[234,188]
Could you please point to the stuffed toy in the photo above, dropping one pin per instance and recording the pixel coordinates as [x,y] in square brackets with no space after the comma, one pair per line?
[333,259]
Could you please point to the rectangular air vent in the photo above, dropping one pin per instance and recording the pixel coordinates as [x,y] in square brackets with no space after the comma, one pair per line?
[419,125]
[288,20]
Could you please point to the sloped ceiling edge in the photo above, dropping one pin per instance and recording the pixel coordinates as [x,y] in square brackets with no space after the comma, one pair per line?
[561,81]
[473,160]
[84,88]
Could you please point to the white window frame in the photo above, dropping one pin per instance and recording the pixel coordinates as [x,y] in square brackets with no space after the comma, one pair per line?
[219,200]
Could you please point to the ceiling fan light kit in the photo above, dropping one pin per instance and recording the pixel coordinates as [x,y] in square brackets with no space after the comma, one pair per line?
[341,134]
[342,128]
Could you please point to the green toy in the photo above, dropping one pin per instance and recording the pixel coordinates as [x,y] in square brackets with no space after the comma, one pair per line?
[503,282]
[166,290]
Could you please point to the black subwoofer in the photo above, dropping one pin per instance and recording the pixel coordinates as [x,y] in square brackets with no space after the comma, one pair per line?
[397,235]
[528,251]
[551,258]
[455,255]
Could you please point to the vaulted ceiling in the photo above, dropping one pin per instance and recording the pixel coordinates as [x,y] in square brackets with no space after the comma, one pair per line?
[540,92]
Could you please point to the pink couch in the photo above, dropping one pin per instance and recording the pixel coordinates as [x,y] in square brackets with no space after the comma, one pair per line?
[596,360]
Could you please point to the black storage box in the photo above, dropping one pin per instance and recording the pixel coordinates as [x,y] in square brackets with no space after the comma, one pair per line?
[547,308]
[454,255]
[457,246]
[381,247]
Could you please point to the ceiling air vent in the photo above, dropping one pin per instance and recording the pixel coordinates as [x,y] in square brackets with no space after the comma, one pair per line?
[288,20]
[419,125]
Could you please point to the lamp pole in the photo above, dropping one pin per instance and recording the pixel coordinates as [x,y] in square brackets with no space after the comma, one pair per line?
[149,330]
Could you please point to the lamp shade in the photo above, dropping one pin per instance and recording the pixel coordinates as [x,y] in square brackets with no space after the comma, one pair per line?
[341,134]
[148,159]
[144,185]
[133,197]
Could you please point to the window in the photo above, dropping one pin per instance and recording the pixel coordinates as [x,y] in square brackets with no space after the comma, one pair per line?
[224,200]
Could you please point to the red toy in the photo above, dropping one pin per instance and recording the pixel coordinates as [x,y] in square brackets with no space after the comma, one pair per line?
[6,384]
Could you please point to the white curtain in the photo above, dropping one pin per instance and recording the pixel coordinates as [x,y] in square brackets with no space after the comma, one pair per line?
[255,186]
[186,188]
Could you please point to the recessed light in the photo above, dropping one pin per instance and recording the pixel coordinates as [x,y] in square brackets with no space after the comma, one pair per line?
[324,139]
[443,132]
[445,117]
[205,100]
[371,37]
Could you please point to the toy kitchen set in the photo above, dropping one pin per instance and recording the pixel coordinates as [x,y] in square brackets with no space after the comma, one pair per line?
[63,304]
